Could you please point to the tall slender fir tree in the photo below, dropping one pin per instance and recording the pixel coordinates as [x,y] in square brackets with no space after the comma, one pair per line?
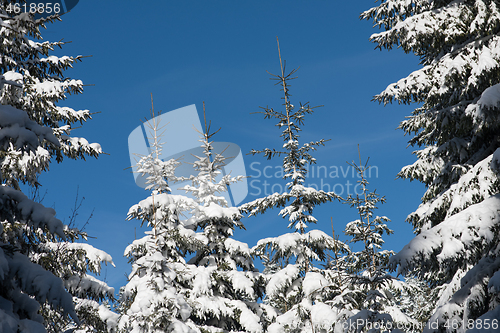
[291,285]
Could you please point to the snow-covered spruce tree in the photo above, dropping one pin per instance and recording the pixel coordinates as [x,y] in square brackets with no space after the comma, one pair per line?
[291,285]
[413,298]
[372,302]
[154,299]
[43,271]
[225,290]
[458,127]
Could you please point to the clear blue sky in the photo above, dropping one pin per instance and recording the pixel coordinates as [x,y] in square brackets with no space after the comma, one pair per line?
[187,52]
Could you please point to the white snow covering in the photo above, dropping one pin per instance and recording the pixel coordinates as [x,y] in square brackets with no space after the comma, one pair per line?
[77,144]
[43,285]
[471,60]
[290,318]
[13,78]
[284,277]
[214,210]
[92,254]
[23,132]
[494,283]
[490,99]
[68,112]
[235,246]
[249,320]
[474,185]
[148,300]
[367,316]
[170,203]
[88,285]
[202,282]
[398,316]
[29,137]
[32,212]
[214,305]
[291,241]
[135,244]
[313,281]
[56,60]
[105,314]
[453,236]
[323,316]
[469,288]
[261,204]
[284,242]
[9,322]
[458,250]
[241,282]
[308,194]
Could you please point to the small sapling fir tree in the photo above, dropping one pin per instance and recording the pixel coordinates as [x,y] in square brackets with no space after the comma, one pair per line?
[372,302]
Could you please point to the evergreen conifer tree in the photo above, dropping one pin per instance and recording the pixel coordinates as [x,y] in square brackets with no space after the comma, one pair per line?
[457,127]
[227,285]
[154,299]
[44,272]
[292,283]
[372,303]
[413,298]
